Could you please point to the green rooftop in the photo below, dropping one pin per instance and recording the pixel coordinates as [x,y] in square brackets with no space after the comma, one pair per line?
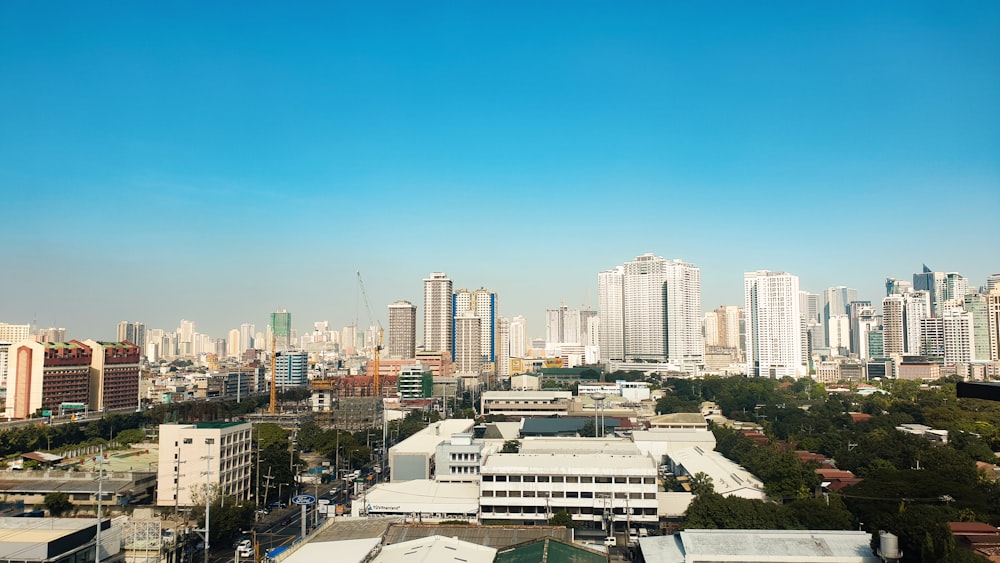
[215,424]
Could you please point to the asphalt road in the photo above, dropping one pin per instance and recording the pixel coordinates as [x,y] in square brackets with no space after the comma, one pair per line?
[272,531]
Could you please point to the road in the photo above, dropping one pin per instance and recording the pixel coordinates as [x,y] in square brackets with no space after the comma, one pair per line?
[272,531]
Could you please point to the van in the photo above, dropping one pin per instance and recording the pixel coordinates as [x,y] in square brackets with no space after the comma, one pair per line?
[610,541]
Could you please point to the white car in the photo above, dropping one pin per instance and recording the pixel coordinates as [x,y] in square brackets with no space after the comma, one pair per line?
[245,548]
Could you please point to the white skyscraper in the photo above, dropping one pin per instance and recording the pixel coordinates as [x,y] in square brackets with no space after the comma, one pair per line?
[959,340]
[518,337]
[901,317]
[562,326]
[993,321]
[233,344]
[660,311]
[611,314]
[773,325]
[503,347]
[246,336]
[438,313]
[481,303]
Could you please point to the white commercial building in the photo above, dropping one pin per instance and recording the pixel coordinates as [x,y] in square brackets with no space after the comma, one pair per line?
[188,451]
[423,499]
[773,325]
[599,490]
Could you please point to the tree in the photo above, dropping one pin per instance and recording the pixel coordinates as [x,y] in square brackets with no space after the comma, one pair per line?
[511,447]
[562,518]
[57,503]
[130,436]
[589,429]
[701,484]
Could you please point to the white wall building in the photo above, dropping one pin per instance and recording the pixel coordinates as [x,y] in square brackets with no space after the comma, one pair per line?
[773,325]
[599,490]
[181,478]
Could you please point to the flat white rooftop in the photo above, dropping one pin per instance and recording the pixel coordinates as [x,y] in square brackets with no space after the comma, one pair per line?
[579,446]
[765,546]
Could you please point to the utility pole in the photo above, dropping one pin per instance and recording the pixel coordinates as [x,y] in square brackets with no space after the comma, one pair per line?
[100,493]
[208,495]
[268,486]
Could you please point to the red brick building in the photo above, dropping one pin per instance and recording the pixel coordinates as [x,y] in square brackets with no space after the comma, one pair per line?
[114,375]
[44,375]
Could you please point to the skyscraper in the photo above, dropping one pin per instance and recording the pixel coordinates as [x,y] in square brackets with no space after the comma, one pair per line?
[562,326]
[975,305]
[651,310]
[481,303]
[611,314]
[934,284]
[773,325]
[468,352]
[281,328]
[901,316]
[895,286]
[993,321]
[835,304]
[438,313]
[518,337]
[402,330]
[134,333]
[246,337]
[233,347]
[959,340]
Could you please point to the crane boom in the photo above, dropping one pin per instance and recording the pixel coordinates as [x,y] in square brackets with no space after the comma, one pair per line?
[376,377]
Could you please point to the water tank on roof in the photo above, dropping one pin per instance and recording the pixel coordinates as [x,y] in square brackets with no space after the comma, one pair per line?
[888,546]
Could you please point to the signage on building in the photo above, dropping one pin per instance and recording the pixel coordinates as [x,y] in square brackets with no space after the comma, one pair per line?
[303,499]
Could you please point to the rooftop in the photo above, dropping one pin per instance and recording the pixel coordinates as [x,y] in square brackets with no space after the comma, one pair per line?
[433,549]
[492,536]
[758,545]
[577,464]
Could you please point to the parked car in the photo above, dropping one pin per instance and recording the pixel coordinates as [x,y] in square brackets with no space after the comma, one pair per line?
[245,548]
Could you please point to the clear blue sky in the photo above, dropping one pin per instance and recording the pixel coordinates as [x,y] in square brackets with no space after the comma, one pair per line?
[214,161]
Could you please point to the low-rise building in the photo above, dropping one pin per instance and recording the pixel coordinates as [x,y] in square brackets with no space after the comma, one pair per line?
[728,477]
[414,458]
[598,490]
[526,403]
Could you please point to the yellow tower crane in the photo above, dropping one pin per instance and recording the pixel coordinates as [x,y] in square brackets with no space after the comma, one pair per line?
[377,376]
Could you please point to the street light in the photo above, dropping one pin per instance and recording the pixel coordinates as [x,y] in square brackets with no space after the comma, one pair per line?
[598,401]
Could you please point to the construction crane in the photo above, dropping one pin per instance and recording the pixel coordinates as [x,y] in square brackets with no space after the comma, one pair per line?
[376,377]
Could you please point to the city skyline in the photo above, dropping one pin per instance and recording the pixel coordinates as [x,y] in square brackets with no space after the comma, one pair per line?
[197,162]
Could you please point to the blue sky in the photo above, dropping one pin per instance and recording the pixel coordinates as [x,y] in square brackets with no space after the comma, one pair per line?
[214,162]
